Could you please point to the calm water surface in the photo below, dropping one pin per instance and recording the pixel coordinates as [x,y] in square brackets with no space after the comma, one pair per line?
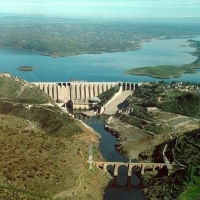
[108,151]
[101,67]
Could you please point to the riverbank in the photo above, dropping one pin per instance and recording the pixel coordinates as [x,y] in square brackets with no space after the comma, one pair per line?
[131,140]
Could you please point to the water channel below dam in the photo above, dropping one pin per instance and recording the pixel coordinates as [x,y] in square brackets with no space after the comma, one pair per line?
[107,149]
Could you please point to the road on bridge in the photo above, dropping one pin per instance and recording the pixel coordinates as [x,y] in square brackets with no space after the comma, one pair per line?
[113,105]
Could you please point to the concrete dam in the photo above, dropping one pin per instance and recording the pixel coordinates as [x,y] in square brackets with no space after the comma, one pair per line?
[79,94]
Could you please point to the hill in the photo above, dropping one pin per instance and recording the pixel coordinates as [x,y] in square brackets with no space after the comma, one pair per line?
[184,183]
[159,122]
[169,112]
[41,145]
[64,36]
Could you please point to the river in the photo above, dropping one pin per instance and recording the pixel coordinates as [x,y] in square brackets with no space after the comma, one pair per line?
[108,151]
[103,67]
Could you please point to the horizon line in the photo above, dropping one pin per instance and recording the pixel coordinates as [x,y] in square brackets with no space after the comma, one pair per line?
[96,17]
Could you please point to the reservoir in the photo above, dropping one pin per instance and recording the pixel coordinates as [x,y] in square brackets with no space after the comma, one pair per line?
[102,67]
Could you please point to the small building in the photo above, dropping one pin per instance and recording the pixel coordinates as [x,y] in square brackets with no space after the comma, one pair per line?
[151,108]
[95,100]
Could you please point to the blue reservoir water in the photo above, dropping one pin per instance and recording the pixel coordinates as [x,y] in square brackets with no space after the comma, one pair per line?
[100,67]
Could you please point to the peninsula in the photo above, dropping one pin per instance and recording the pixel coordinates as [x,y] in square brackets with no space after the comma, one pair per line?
[162,71]
[169,71]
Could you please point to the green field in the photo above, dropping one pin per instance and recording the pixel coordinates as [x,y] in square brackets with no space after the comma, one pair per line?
[191,193]
[193,189]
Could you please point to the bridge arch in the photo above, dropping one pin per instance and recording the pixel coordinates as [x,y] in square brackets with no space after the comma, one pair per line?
[110,169]
[132,172]
[122,176]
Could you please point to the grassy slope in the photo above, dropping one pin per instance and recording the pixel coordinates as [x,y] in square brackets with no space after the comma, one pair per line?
[39,157]
[17,90]
[164,71]
[186,104]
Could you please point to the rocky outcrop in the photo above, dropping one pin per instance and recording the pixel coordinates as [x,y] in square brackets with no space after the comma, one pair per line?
[131,140]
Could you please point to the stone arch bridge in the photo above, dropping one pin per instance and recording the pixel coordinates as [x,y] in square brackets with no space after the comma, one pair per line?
[142,166]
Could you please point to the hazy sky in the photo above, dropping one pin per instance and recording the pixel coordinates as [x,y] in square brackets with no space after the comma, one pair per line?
[104,8]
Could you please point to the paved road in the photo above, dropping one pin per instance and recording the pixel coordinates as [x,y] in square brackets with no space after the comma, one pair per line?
[113,106]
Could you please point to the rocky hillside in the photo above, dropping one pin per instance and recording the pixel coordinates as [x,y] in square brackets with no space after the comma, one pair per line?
[168,113]
[44,150]
[184,183]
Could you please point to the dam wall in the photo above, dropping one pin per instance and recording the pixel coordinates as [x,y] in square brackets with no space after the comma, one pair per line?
[60,92]
[79,94]
[86,90]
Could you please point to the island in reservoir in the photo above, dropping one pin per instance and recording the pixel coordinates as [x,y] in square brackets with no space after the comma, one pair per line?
[25,68]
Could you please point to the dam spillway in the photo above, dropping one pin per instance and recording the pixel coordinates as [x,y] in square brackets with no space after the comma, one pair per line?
[81,92]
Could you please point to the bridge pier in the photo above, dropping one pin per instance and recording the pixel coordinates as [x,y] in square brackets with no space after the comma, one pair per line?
[141,183]
[115,184]
[116,170]
[128,184]
[105,167]
[142,169]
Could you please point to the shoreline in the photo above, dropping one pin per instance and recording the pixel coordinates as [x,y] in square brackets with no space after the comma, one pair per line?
[137,47]
[131,140]
[170,71]
[77,54]
[25,68]
[162,75]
